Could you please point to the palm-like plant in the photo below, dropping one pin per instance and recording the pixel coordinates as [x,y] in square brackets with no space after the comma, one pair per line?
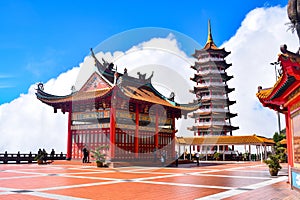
[217,155]
[100,153]
[273,164]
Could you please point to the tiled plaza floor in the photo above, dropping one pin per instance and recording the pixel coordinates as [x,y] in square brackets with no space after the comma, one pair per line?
[73,180]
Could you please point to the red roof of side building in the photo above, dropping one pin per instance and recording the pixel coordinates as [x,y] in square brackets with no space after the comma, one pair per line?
[278,96]
[226,140]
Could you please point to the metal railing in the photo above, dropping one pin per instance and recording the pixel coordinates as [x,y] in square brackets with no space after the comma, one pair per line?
[18,158]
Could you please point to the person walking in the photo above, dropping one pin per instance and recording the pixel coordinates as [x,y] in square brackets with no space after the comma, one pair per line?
[176,158]
[197,158]
[85,155]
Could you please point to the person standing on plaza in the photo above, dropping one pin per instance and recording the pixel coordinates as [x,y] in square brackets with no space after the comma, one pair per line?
[52,154]
[45,154]
[176,158]
[85,155]
[197,158]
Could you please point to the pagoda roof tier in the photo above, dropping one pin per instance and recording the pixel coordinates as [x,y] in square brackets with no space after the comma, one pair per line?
[212,84]
[200,66]
[209,50]
[210,47]
[204,88]
[210,98]
[226,140]
[230,102]
[287,85]
[199,76]
[222,101]
[209,113]
[212,127]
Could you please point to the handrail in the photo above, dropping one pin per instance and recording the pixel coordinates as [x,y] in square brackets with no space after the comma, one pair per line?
[6,158]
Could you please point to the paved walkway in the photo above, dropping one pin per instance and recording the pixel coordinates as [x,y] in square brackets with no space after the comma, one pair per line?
[75,181]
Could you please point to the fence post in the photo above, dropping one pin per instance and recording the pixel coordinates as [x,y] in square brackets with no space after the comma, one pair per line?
[30,157]
[18,157]
[5,158]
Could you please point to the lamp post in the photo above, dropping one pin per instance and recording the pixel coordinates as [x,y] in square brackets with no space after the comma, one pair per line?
[276,78]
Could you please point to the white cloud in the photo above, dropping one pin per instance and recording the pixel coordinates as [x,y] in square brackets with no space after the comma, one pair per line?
[27,124]
[254,46]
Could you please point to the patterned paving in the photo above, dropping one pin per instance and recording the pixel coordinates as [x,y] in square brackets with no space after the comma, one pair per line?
[72,180]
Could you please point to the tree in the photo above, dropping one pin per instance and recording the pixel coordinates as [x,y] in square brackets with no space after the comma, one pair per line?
[279,149]
[276,137]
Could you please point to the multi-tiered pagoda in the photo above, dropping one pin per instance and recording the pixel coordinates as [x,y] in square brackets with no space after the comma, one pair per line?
[213,117]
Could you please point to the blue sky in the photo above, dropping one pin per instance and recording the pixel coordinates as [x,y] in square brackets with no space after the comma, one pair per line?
[41,39]
[46,41]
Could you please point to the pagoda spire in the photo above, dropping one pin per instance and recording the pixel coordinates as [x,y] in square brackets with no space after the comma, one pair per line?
[209,35]
[210,42]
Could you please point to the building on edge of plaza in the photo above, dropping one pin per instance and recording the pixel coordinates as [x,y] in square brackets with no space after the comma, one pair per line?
[284,97]
[121,111]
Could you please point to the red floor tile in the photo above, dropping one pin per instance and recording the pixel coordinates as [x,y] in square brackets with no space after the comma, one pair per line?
[20,197]
[243,173]
[12,174]
[44,182]
[132,191]
[120,175]
[210,180]
[66,173]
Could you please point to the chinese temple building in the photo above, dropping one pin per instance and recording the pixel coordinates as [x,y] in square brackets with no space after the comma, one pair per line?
[121,111]
[213,117]
[284,97]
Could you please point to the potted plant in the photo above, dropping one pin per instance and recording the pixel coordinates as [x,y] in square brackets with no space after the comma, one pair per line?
[273,163]
[281,151]
[217,155]
[39,158]
[100,155]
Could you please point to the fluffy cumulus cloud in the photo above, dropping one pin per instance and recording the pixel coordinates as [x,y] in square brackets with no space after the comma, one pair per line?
[254,46]
[27,124]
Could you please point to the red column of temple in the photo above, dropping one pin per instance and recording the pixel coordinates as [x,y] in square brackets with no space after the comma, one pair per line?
[156,129]
[289,143]
[112,128]
[173,142]
[69,140]
[136,134]
[289,136]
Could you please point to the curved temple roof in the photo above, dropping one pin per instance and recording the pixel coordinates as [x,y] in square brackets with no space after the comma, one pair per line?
[275,97]
[226,140]
[134,89]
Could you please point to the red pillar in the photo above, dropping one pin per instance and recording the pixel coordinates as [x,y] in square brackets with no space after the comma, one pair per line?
[173,141]
[136,134]
[112,130]
[156,129]
[289,143]
[289,136]
[69,139]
